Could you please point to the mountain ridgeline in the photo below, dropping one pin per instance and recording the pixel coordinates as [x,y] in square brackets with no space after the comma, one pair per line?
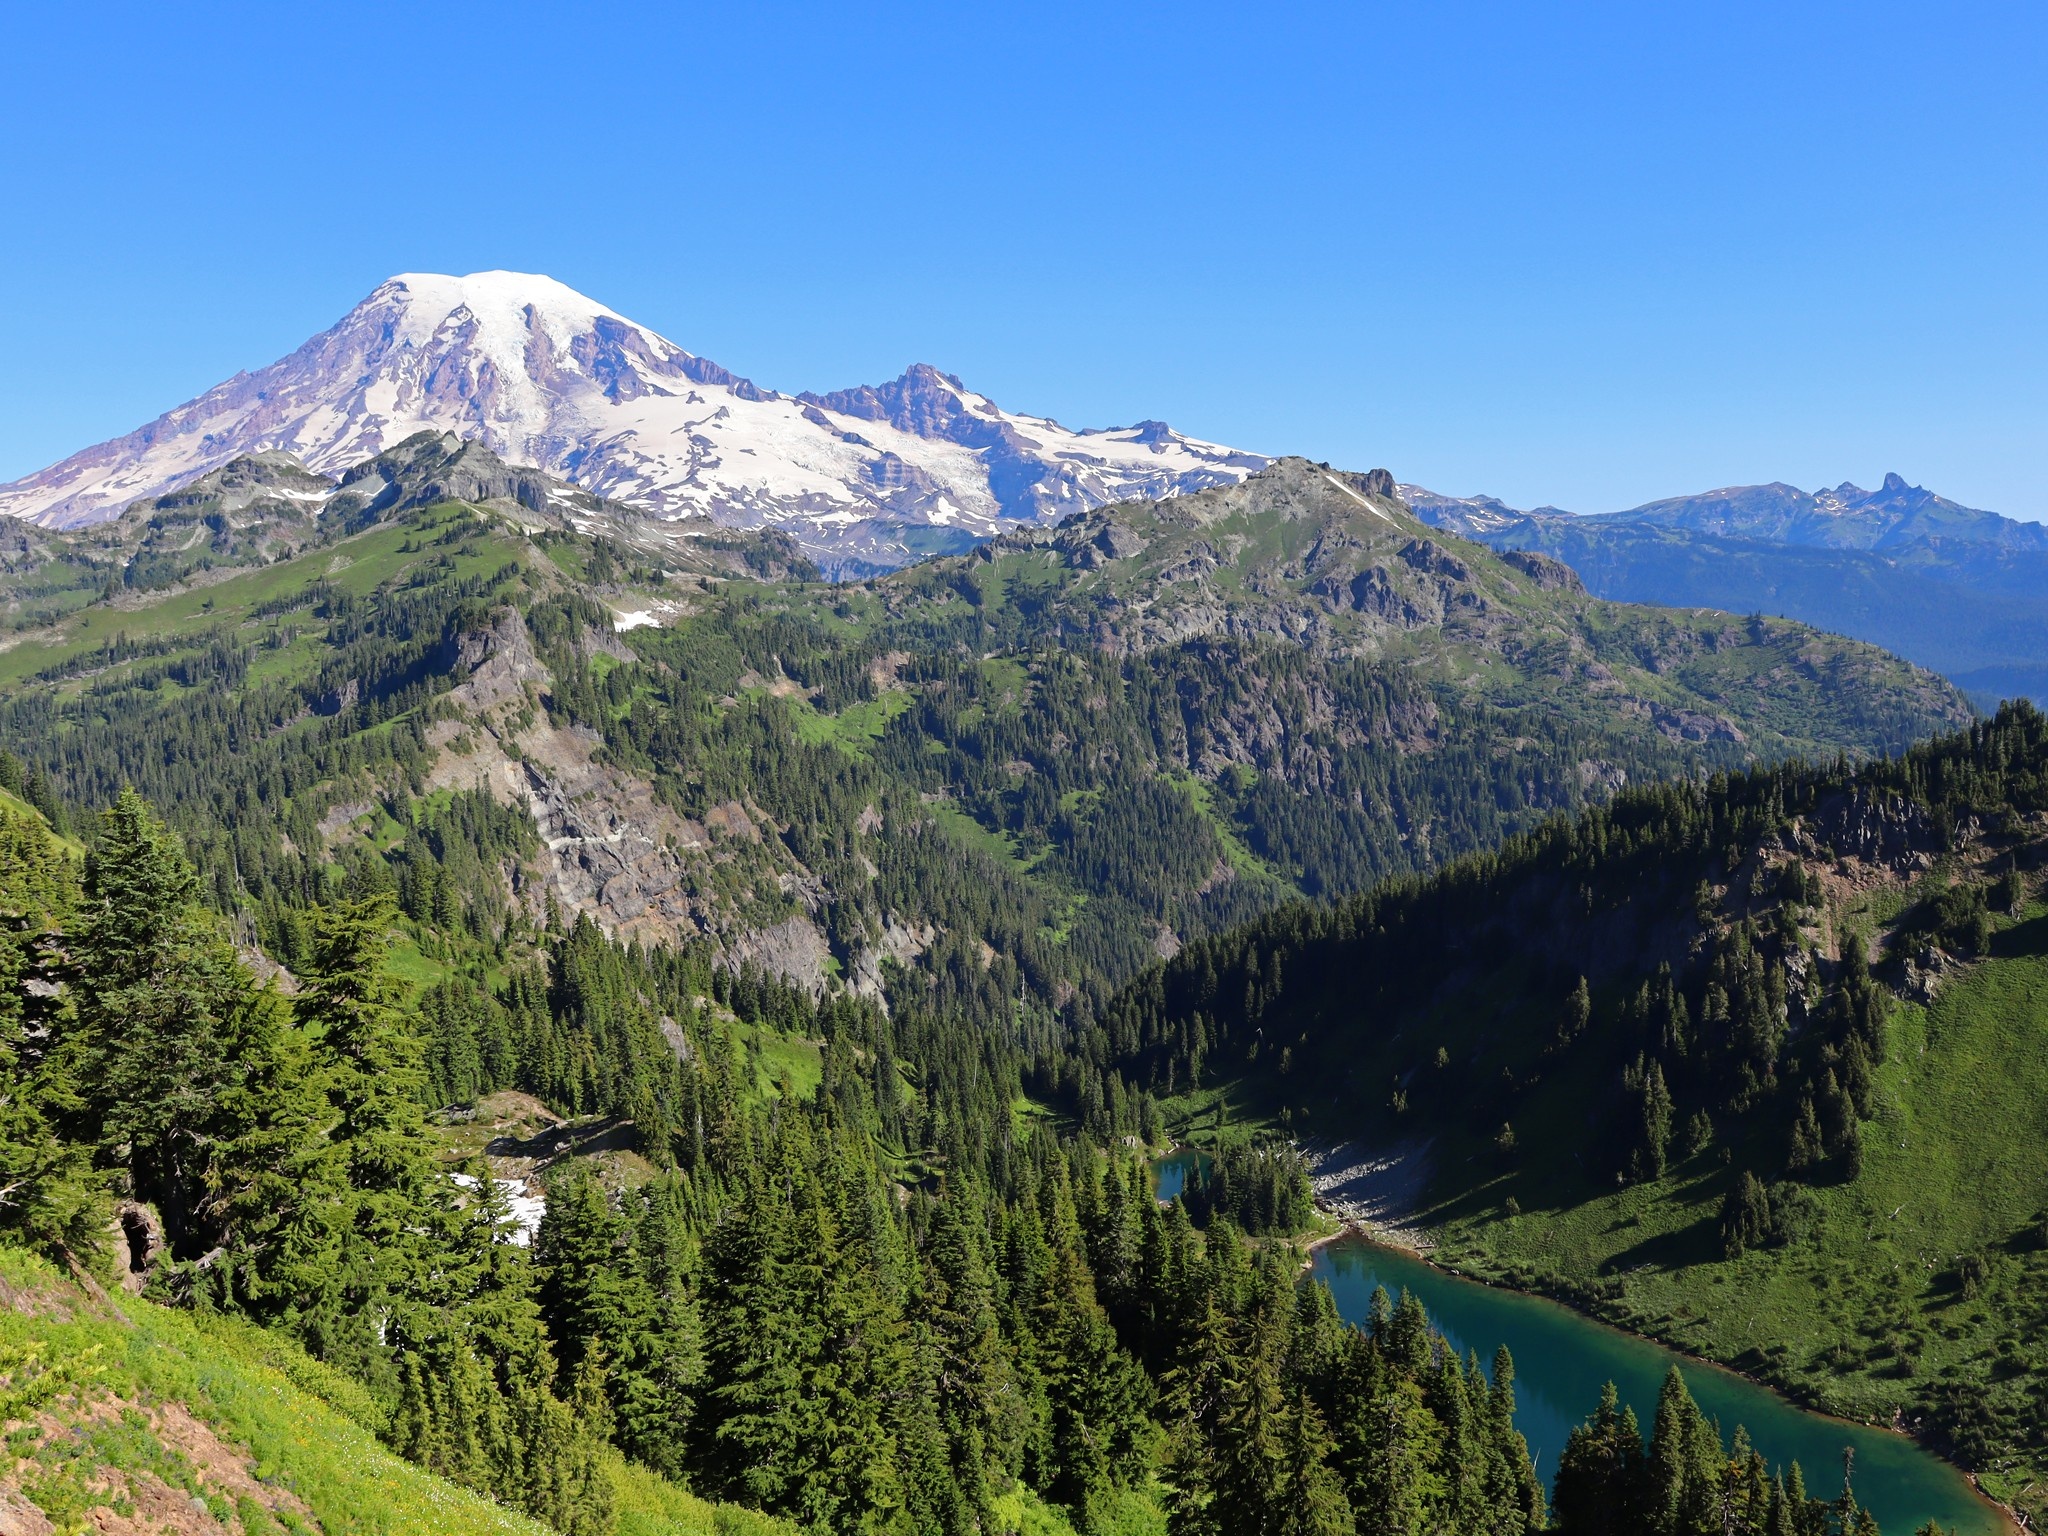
[1036,767]
[1695,1054]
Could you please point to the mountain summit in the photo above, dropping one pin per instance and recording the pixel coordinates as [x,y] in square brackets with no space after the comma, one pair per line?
[1894,519]
[542,375]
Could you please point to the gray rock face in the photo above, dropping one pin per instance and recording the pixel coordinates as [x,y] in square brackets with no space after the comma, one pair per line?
[1383,1189]
[432,467]
[1432,559]
[611,847]
[1884,830]
[1549,575]
[794,949]
[257,479]
[1373,593]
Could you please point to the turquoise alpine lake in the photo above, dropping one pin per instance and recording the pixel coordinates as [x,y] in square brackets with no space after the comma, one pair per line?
[1170,1173]
[1562,1360]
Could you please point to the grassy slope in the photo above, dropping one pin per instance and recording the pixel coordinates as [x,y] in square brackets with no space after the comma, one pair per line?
[16,806]
[299,1425]
[357,565]
[853,728]
[296,1425]
[1860,1317]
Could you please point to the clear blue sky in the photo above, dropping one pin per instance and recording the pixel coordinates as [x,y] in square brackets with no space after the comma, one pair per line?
[1585,255]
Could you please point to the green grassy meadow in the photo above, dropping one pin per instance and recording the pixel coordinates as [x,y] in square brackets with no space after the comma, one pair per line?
[302,1436]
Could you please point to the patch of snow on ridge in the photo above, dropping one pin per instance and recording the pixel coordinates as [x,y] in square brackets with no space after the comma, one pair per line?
[1375,511]
[522,1211]
[639,618]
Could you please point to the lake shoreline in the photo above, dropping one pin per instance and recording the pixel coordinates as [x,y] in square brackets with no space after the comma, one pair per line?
[1396,1238]
[1373,1199]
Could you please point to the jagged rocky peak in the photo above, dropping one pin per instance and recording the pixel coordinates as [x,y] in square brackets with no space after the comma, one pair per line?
[431,467]
[264,487]
[266,474]
[1297,488]
[1896,516]
[1292,489]
[923,400]
[542,375]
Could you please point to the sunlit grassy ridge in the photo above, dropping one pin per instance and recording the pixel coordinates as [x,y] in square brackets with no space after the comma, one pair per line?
[357,566]
[297,1426]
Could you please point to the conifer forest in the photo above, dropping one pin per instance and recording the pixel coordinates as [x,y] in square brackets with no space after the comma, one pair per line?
[708,1075]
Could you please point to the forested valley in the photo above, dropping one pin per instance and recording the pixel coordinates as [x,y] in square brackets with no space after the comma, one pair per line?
[843,953]
[872,1306]
[1723,1041]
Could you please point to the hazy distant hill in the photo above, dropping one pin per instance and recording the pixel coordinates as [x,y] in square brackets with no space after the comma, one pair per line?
[1957,589]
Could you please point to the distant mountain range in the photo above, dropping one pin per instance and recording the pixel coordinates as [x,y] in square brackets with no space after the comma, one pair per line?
[1957,589]
[865,478]
[632,435]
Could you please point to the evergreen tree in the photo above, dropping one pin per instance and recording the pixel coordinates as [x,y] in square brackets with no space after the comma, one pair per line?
[283,1197]
[395,1204]
[974,1385]
[48,1197]
[1394,1478]
[1603,1486]
[1096,1395]
[165,1018]
[1745,1216]
[1310,1498]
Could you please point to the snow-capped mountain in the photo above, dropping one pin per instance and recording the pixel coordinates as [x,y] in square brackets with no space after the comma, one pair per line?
[544,376]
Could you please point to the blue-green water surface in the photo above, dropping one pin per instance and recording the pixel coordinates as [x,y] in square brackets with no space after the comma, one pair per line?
[1170,1174]
[1562,1359]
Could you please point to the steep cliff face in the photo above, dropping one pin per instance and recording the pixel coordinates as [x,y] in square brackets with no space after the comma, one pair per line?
[611,847]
